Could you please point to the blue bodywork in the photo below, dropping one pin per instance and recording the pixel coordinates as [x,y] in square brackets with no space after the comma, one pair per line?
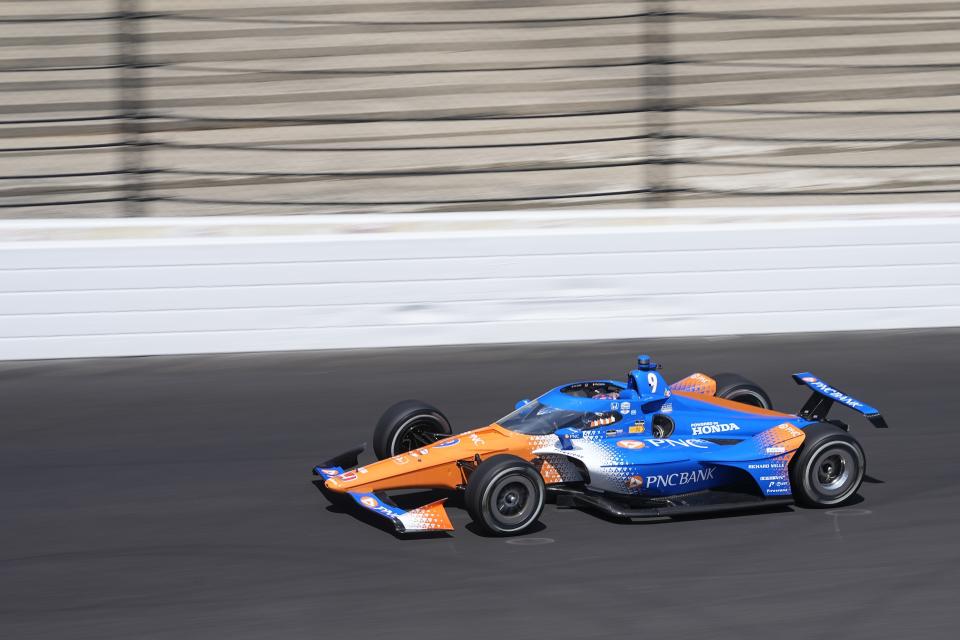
[706,443]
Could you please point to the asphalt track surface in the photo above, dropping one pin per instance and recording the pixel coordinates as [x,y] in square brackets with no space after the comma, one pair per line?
[171,498]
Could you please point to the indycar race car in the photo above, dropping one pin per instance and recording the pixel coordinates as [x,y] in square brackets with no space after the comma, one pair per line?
[633,449]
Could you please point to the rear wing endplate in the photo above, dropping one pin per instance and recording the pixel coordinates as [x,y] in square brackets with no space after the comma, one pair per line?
[823,397]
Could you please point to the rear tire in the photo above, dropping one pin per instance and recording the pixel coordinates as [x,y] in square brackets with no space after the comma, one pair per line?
[829,469]
[408,425]
[505,495]
[736,388]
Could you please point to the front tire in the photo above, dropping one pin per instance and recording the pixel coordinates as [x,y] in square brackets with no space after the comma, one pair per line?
[408,425]
[505,495]
[829,469]
[736,388]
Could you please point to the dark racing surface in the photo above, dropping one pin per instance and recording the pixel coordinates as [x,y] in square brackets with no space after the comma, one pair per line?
[172,498]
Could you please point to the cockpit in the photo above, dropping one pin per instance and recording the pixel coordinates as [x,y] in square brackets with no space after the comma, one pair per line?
[536,418]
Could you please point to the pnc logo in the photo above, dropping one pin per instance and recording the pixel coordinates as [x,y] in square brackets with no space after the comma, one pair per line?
[630,444]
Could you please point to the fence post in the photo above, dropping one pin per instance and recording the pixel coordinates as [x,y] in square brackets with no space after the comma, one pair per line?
[130,101]
[656,102]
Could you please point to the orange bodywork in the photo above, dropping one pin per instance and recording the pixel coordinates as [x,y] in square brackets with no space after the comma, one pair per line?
[436,466]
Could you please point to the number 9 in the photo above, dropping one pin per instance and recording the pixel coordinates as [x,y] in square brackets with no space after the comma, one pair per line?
[652,381]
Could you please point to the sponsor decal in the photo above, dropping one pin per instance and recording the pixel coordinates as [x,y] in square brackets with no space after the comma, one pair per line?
[680,442]
[423,452]
[329,472]
[477,440]
[680,478]
[703,428]
[790,430]
[447,443]
[624,407]
[635,482]
[830,392]
[667,407]
[613,432]
[375,505]
[630,444]
[401,459]
[348,476]
[638,427]
[808,379]
[362,469]
[666,394]
[775,451]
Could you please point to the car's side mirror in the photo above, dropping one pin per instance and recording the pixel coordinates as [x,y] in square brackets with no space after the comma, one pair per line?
[521,403]
[567,435]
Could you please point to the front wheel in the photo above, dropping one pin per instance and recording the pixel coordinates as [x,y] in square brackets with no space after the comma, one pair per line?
[408,425]
[505,495]
[829,468]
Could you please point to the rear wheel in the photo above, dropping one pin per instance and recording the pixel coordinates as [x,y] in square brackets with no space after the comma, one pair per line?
[829,468]
[505,495]
[736,388]
[408,425]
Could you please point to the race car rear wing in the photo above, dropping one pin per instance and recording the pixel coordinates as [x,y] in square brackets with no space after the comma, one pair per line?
[823,397]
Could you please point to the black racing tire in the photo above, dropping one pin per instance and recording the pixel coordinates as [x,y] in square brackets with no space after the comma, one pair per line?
[408,425]
[505,495]
[829,468]
[736,388]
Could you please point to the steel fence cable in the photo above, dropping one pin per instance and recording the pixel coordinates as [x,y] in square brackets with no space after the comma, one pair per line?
[293,120]
[58,120]
[281,203]
[404,173]
[409,70]
[65,147]
[95,67]
[44,176]
[749,15]
[873,192]
[189,17]
[58,203]
[813,65]
[492,145]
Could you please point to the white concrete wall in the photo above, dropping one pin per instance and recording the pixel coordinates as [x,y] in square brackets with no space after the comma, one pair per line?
[134,287]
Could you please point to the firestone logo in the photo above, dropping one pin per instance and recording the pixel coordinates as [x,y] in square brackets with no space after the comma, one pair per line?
[680,478]
[367,501]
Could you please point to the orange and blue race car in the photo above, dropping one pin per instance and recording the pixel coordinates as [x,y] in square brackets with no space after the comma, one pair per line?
[634,449]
